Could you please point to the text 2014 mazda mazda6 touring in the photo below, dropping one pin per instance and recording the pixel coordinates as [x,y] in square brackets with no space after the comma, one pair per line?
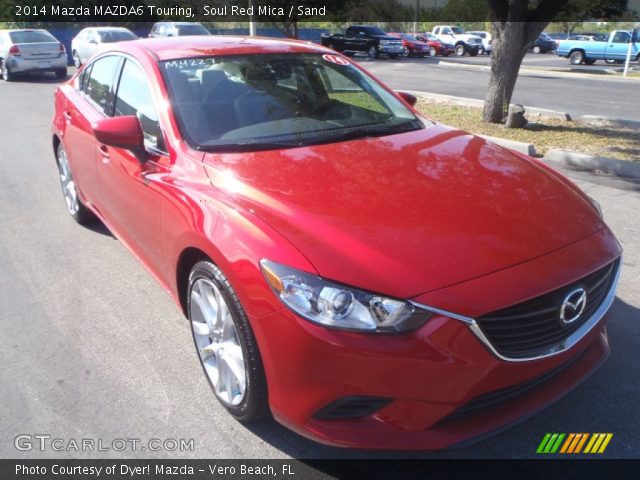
[370,278]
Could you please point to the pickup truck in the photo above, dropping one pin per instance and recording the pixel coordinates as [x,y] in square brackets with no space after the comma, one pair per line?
[463,42]
[612,50]
[364,38]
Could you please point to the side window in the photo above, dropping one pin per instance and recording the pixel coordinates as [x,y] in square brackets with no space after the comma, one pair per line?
[162,29]
[621,37]
[134,98]
[100,83]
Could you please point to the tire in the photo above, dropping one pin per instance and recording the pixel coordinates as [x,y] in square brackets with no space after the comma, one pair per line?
[576,57]
[460,50]
[76,59]
[5,73]
[61,74]
[208,285]
[589,61]
[433,52]
[406,52]
[481,51]
[373,52]
[537,50]
[75,207]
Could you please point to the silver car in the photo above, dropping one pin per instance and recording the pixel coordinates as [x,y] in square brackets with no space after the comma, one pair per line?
[28,51]
[89,40]
[177,29]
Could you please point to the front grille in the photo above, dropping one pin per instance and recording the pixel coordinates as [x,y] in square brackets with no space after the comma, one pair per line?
[534,327]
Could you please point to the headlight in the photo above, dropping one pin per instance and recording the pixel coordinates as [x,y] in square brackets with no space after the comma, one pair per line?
[337,306]
[596,206]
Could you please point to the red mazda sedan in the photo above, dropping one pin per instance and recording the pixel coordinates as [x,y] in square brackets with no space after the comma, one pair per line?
[367,276]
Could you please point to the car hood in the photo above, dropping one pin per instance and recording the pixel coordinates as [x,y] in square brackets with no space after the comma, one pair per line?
[408,213]
[386,37]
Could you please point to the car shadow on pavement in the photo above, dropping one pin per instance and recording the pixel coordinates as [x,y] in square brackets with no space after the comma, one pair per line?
[96,226]
[39,78]
[611,390]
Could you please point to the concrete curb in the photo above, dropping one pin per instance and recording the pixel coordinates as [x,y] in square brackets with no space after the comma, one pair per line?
[589,163]
[476,103]
[526,148]
[544,73]
[603,121]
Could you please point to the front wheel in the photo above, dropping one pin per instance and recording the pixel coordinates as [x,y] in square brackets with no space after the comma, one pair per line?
[481,51]
[406,52]
[576,58]
[460,50]
[433,52]
[225,343]
[537,50]
[5,73]
[373,52]
[76,209]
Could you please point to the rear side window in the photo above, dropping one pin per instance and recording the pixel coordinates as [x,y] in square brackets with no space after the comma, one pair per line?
[31,36]
[134,98]
[100,84]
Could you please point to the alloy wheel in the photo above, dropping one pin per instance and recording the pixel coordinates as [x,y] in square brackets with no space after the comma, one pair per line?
[433,52]
[217,341]
[68,185]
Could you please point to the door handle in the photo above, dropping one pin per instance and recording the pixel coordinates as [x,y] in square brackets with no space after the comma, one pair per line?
[104,153]
[67,115]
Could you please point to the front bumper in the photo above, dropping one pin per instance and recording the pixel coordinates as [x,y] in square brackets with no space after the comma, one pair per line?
[23,65]
[391,50]
[428,378]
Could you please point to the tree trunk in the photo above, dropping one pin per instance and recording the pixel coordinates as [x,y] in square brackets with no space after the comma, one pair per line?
[510,43]
[509,47]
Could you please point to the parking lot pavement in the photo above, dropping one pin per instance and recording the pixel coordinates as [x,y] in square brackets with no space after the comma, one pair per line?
[91,347]
[574,95]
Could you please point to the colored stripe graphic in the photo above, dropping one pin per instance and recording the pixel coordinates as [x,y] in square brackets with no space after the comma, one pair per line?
[573,443]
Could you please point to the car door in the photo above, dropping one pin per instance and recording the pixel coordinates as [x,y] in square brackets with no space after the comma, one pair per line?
[131,186]
[351,38]
[85,103]
[618,46]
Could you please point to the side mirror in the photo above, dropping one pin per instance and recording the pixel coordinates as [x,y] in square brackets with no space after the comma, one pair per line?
[409,98]
[121,132]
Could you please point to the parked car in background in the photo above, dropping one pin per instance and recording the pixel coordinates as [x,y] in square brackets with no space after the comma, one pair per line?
[178,29]
[543,44]
[411,45]
[463,42]
[558,35]
[364,38]
[487,39]
[614,49]
[583,38]
[367,277]
[89,40]
[441,48]
[24,51]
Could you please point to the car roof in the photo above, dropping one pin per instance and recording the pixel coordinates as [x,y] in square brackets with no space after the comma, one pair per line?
[173,48]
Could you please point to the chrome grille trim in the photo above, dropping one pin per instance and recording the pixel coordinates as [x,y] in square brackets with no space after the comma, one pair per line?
[557,349]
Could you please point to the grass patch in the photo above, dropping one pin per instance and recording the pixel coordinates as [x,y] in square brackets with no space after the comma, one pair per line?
[544,133]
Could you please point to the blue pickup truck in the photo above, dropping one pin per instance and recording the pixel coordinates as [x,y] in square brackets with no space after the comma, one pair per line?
[612,50]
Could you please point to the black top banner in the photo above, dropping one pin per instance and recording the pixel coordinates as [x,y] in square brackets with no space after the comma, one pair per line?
[293,11]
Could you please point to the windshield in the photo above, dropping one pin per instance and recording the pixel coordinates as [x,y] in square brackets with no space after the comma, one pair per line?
[457,30]
[111,36]
[31,36]
[253,102]
[186,30]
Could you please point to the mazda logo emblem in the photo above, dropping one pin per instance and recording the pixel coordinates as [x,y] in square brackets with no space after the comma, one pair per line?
[573,306]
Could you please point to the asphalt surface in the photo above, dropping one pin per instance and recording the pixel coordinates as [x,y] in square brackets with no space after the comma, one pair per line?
[466,77]
[92,347]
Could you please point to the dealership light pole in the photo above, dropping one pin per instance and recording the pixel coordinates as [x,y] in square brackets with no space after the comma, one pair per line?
[415,18]
[252,24]
[632,42]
